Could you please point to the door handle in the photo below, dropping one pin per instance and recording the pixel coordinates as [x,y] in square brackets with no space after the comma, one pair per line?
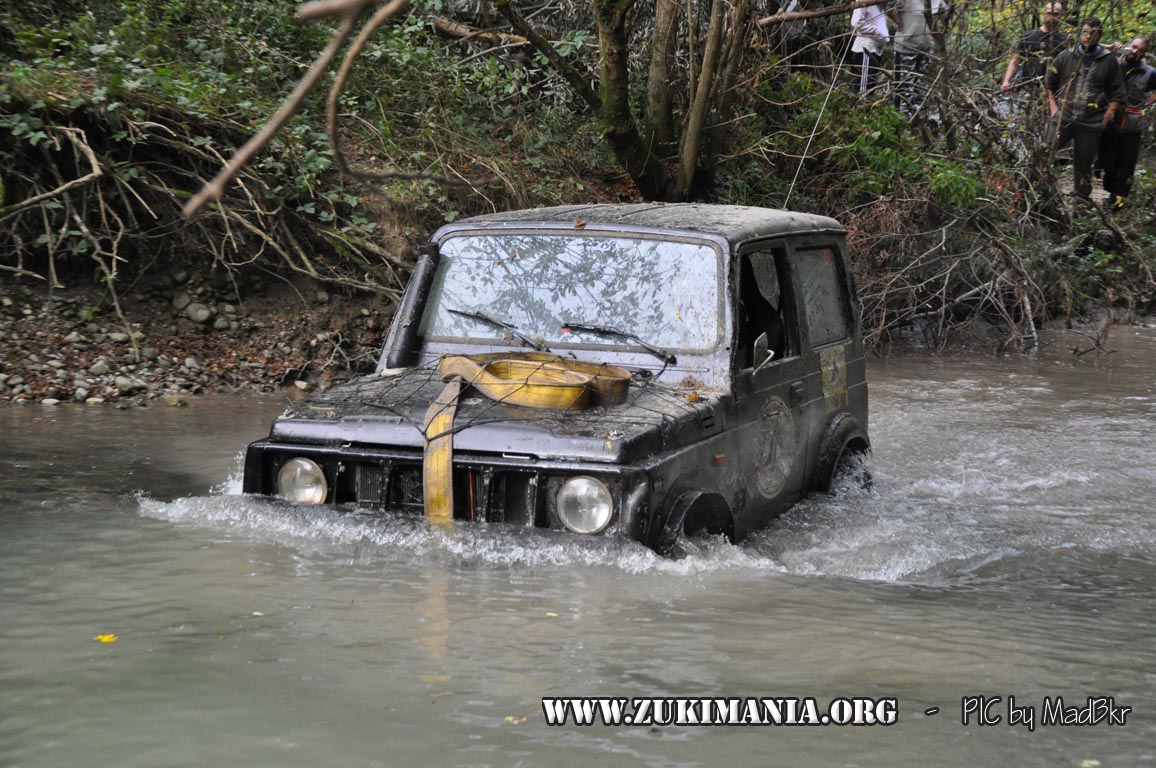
[795,394]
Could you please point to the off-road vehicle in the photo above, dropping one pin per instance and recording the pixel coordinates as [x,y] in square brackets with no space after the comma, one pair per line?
[647,369]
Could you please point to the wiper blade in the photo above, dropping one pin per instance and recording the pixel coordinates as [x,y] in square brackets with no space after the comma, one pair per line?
[605,330]
[496,323]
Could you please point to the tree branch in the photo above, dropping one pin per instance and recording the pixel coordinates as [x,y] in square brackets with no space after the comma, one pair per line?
[96,172]
[580,84]
[830,10]
[350,11]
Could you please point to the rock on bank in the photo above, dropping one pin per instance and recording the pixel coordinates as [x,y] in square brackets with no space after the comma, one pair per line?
[182,335]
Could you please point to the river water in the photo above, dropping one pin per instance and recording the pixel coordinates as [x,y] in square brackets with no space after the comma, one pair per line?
[1007,548]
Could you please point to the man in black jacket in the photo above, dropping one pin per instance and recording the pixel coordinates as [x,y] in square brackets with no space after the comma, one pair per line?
[1120,145]
[1085,90]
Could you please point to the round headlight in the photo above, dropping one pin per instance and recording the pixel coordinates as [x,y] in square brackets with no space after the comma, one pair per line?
[585,505]
[302,481]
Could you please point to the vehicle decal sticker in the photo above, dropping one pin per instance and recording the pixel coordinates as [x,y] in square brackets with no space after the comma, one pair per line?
[833,362]
[777,447]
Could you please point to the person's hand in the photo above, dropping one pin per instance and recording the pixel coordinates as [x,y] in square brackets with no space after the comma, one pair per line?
[1004,86]
[1109,116]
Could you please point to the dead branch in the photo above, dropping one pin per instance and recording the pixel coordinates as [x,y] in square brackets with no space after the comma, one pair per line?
[580,84]
[81,144]
[349,11]
[832,10]
[466,32]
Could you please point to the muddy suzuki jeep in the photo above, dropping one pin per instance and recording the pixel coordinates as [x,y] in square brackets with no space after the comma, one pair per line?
[648,369]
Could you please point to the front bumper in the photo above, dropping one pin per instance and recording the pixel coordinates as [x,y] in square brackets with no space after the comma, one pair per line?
[487,488]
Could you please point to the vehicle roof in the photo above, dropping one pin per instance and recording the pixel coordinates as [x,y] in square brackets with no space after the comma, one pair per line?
[733,223]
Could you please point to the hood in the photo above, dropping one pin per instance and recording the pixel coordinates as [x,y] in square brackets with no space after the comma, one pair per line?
[388,411]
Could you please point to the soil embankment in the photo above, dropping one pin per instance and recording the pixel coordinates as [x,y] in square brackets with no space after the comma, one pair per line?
[183,334]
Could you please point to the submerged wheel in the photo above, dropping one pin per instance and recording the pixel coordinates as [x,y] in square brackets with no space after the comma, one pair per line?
[695,512]
[845,448]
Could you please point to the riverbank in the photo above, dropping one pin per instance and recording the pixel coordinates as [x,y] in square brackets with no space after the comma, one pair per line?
[190,333]
[183,333]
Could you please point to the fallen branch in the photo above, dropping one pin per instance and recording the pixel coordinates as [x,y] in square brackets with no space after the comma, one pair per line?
[349,11]
[818,13]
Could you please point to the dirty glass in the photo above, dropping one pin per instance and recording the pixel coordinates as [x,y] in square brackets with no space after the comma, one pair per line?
[666,293]
[817,275]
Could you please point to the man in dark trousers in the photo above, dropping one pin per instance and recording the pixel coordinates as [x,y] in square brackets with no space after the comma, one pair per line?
[1037,48]
[1120,145]
[1085,90]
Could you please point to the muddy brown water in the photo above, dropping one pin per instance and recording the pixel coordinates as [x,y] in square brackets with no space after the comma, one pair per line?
[1007,548]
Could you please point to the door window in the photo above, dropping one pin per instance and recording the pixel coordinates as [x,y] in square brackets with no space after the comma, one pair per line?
[818,274]
[764,306]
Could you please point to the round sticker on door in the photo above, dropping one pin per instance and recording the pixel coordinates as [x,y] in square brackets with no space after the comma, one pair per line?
[777,443]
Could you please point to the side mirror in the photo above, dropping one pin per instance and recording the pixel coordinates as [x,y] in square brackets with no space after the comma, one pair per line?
[763,354]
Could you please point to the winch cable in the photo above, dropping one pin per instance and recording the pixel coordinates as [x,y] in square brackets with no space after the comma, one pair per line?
[815,129]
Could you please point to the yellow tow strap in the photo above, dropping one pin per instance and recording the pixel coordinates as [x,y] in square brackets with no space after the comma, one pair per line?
[532,379]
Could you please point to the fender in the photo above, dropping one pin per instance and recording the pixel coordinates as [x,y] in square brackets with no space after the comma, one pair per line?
[844,434]
[694,511]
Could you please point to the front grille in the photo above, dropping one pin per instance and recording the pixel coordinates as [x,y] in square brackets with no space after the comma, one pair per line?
[370,484]
[482,494]
[405,489]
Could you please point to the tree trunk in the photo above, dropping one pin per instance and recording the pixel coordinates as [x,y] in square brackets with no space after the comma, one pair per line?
[696,115]
[719,134]
[617,122]
[659,110]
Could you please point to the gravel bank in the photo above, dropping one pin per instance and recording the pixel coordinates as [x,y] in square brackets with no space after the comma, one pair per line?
[185,335]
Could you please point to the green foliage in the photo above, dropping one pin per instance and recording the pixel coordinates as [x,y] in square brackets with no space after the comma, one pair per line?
[954,186]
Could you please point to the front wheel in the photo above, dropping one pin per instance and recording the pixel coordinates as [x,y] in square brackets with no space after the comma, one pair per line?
[844,446]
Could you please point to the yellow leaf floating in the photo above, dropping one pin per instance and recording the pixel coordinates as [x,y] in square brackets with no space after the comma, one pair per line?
[1089,763]
[104,638]
[515,720]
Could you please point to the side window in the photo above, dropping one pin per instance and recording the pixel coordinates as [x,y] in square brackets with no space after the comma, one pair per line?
[818,274]
[763,307]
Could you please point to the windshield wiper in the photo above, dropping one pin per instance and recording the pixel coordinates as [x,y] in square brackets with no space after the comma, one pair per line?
[496,323]
[605,330]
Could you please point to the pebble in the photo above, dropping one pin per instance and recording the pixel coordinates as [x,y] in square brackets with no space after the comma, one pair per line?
[181,300]
[198,313]
[52,352]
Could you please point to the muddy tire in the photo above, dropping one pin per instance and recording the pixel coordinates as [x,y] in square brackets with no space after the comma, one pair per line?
[695,512]
[845,447]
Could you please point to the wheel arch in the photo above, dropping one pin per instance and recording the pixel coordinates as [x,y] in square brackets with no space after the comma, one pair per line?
[844,434]
[692,511]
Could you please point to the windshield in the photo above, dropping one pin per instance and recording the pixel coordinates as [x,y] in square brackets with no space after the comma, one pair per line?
[664,292]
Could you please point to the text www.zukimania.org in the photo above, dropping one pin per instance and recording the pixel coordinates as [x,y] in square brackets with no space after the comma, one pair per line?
[720,711]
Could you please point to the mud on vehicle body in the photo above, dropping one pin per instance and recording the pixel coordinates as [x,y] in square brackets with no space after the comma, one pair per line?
[646,369]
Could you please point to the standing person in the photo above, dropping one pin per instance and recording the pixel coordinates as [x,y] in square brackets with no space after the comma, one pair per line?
[869,24]
[1036,49]
[912,49]
[1085,89]
[1120,144]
